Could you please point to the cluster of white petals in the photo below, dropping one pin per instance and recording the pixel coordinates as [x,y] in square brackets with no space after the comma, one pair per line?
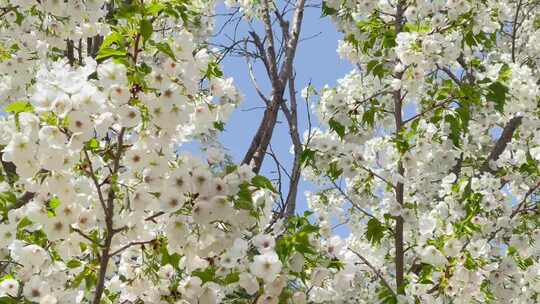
[429,152]
[100,202]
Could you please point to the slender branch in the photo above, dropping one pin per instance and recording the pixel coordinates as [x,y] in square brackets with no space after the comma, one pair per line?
[351,201]
[84,235]
[130,244]
[292,119]
[270,50]
[399,190]
[434,107]
[377,272]
[95,181]
[450,74]
[255,84]
[514,30]
[292,42]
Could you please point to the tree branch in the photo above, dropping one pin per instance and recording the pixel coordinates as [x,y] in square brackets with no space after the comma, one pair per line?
[502,142]
[376,271]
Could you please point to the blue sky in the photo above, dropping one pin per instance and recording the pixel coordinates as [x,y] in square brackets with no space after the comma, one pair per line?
[316,62]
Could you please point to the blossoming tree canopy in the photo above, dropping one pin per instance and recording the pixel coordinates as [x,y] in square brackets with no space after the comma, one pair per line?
[428,153]
[97,205]
[431,150]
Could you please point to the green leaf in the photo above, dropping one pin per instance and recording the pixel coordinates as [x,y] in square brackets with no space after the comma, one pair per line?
[497,93]
[113,38]
[219,125]
[105,53]
[8,300]
[166,258]
[327,11]
[232,277]
[19,107]
[127,11]
[307,156]
[389,39]
[25,222]
[368,118]
[470,39]
[337,127]
[334,171]
[92,145]
[213,70]
[376,68]
[154,8]
[455,129]
[263,182]
[146,29]
[206,275]
[244,199]
[284,247]
[73,264]
[386,296]
[230,169]
[375,231]
[505,73]
[165,48]
[54,203]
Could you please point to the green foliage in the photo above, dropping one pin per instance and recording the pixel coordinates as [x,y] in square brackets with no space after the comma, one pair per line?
[486,40]
[337,127]
[307,157]
[263,183]
[230,169]
[19,107]
[378,32]
[334,171]
[209,275]
[297,238]
[88,275]
[92,145]
[206,275]
[73,263]
[167,258]
[497,93]
[368,118]
[376,68]
[327,11]
[163,47]
[219,125]
[9,300]
[243,199]
[146,29]
[455,128]
[375,231]
[214,71]
[386,296]
[401,142]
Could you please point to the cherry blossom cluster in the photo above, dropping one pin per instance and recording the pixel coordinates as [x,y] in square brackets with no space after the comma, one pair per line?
[100,204]
[428,151]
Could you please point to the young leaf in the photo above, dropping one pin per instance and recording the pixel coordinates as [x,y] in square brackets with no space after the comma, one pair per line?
[165,48]
[19,107]
[106,53]
[263,182]
[337,127]
[497,93]
[146,29]
[307,156]
[375,231]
